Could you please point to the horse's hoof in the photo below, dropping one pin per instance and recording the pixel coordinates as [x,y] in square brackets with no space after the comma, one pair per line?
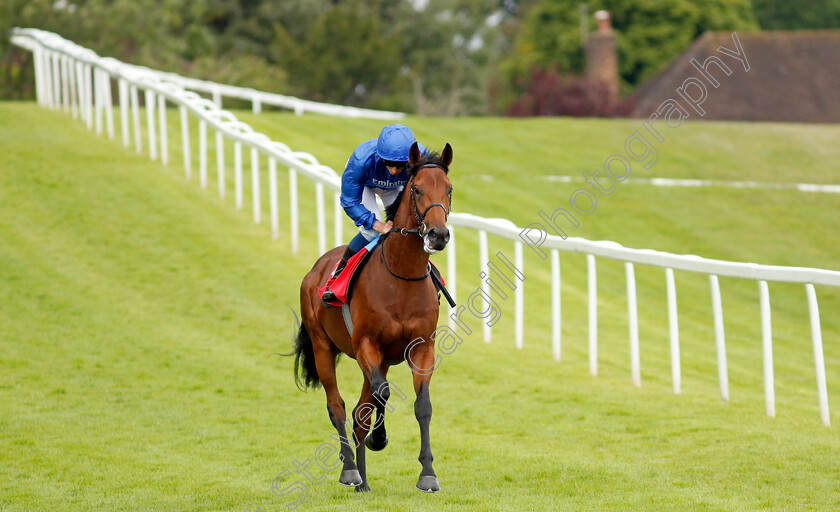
[350,478]
[373,445]
[428,484]
[364,487]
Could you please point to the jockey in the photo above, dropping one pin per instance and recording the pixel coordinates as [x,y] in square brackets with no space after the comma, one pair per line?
[376,168]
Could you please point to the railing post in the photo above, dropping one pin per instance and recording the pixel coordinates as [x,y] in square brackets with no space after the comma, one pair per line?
[71,83]
[720,341]
[65,84]
[321,217]
[293,209]
[451,274]
[202,153]
[767,349]
[633,325]
[89,95]
[255,185]
[109,104]
[819,358]
[237,173]
[555,305]
[150,123]
[483,259]
[674,331]
[274,212]
[81,89]
[593,314]
[338,218]
[46,87]
[49,83]
[122,87]
[56,76]
[519,295]
[185,140]
[98,99]
[164,141]
[135,113]
[220,162]
[37,58]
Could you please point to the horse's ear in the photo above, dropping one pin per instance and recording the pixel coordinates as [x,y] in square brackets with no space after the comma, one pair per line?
[446,156]
[414,154]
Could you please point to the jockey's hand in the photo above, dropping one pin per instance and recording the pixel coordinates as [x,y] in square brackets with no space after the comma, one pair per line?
[383,228]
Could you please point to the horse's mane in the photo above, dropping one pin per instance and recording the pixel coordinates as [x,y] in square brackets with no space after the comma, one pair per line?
[431,158]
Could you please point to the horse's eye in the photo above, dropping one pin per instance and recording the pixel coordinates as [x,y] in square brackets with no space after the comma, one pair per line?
[417,191]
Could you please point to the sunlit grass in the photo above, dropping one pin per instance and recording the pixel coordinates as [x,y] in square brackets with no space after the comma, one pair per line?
[140,318]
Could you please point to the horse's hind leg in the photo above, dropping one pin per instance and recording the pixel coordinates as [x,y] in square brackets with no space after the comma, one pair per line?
[325,362]
[361,424]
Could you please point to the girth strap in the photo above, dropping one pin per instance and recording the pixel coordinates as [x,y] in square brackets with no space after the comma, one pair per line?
[348,320]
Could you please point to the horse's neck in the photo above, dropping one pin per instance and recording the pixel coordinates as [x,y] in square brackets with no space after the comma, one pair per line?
[405,253]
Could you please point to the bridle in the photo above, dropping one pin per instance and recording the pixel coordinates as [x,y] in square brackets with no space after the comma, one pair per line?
[421,230]
[421,225]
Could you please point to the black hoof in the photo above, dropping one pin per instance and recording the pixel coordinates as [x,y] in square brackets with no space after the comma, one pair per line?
[364,487]
[374,444]
[428,484]
[350,478]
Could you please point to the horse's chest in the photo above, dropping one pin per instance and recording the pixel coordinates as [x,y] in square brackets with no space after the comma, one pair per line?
[400,327]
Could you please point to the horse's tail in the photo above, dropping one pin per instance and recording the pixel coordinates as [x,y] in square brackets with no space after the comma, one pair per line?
[306,374]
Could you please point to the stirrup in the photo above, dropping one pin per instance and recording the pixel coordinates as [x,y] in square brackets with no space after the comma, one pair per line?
[328,296]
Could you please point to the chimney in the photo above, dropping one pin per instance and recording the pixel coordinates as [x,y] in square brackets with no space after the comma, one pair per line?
[601,56]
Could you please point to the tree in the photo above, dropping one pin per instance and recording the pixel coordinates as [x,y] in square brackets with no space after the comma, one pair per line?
[448,51]
[344,58]
[433,57]
[16,74]
[797,14]
[649,34]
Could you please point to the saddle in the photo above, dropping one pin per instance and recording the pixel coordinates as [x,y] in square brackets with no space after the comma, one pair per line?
[342,286]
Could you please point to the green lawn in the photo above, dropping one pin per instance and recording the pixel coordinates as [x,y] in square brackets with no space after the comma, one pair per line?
[140,318]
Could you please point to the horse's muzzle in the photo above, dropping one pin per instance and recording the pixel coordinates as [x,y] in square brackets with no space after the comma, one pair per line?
[436,240]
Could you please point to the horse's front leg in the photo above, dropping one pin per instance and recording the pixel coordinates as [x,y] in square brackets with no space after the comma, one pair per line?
[422,364]
[375,389]
[378,438]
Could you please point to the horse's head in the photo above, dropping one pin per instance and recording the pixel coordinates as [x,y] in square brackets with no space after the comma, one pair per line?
[431,195]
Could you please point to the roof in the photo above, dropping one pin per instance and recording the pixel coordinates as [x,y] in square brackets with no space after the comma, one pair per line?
[793,76]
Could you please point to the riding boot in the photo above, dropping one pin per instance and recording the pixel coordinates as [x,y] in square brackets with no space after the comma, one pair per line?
[328,295]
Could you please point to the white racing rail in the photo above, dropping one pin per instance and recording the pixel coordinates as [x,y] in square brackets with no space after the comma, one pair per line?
[259,98]
[78,81]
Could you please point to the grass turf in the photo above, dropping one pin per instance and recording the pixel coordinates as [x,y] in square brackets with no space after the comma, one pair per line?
[141,317]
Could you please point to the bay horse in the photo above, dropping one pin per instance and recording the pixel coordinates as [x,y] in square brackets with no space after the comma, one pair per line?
[394,308]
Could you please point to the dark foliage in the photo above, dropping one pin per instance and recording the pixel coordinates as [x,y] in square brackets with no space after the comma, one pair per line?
[550,94]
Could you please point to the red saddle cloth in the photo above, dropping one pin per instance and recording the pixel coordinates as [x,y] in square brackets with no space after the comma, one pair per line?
[341,286]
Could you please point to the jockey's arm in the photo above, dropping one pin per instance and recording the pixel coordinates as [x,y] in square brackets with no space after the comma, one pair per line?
[352,186]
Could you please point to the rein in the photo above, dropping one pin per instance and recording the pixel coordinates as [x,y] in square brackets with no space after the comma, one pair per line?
[385,262]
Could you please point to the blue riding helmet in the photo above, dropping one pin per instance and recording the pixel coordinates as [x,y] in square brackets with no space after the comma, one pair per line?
[394,142]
